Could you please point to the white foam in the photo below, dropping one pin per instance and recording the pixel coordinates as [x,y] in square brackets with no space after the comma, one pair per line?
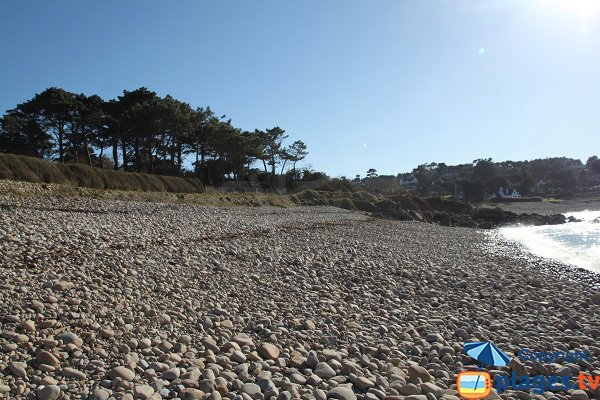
[575,243]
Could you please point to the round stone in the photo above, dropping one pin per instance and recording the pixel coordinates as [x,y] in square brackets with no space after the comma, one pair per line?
[251,389]
[45,357]
[50,392]
[171,374]
[268,351]
[143,392]
[341,393]
[416,371]
[73,374]
[323,370]
[122,372]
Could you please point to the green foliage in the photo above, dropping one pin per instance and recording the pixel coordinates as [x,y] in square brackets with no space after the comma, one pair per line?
[364,205]
[372,173]
[526,186]
[566,178]
[336,185]
[593,163]
[410,202]
[345,203]
[17,168]
[22,135]
[144,133]
[386,205]
[484,169]
[474,190]
[427,177]
[364,196]
[496,182]
[311,197]
[309,175]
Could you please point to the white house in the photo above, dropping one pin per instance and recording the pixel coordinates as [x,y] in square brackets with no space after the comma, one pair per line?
[409,183]
[506,193]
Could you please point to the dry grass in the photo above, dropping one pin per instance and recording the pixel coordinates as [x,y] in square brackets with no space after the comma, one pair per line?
[66,180]
[29,169]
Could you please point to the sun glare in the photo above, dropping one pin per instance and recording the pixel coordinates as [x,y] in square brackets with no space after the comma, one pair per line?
[583,10]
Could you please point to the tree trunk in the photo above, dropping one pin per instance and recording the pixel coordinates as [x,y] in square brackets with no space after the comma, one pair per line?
[125,160]
[115,153]
[179,155]
[150,159]
[87,150]
[136,155]
[61,148]
[172,154]
[101,155]
[76,148]
[202,155]
[273,176]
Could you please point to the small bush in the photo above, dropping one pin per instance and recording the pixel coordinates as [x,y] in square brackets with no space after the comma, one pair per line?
[311,197]
[366,196]
[21,171]
[364,205]
[336,185]
[45,171]
[195,183]
[84,176]
[5,172]
[152,183]
[386,205]
[410,202]
[344,202]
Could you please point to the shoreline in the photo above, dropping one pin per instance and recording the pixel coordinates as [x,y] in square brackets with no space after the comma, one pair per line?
[589,203]
[570,272]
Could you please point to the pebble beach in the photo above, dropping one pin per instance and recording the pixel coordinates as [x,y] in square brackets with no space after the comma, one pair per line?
[106,299]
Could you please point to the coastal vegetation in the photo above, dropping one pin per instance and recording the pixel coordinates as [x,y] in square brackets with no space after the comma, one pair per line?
[168,145]
[483,178]
[145,133]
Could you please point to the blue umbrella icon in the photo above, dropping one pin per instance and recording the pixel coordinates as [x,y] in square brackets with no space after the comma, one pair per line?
[487,353]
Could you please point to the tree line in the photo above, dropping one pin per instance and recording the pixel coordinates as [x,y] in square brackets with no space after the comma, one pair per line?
[142,132]
[484,177]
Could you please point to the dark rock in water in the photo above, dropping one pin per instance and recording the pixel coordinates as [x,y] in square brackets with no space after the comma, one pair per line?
[453,213]
[555,219]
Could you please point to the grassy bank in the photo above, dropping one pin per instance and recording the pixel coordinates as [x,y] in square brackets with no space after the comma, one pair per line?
[38,177]
[54,179]
[42,178]
[29,189]
[35,170]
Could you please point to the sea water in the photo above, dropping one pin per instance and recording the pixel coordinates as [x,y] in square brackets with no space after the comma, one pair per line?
[575,243]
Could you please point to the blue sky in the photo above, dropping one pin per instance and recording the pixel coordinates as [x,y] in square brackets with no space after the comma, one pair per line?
[382,84]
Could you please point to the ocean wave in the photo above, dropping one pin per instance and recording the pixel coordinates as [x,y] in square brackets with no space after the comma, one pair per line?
[575,243]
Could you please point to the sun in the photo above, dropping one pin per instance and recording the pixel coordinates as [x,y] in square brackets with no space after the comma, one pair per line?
[583,10]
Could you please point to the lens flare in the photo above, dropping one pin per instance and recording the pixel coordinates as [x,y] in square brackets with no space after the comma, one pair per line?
[583,10]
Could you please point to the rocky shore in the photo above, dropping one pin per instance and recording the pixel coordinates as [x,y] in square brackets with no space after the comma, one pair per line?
[131,300]
[457,214]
